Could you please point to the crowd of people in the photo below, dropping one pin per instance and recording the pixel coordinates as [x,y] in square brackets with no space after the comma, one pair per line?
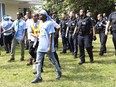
[39,33]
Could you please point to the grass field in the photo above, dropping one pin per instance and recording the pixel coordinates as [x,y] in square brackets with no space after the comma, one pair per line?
[101,73]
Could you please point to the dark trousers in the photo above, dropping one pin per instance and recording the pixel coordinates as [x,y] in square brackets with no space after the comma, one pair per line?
[1,40]
[73,43]
[7,42]
[64,43]
[33,50]
[56,41]
[91,39]
[84,42]
[103,39]
[114,39]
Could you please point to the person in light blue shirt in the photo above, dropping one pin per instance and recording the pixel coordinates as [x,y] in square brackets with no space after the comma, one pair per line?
[19,26]
[7,38]
[46,46]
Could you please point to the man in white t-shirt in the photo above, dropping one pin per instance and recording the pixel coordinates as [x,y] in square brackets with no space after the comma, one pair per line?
[34,33]
[46,46]
[28,22]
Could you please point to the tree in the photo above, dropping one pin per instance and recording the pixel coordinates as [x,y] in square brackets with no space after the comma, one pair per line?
[96,6]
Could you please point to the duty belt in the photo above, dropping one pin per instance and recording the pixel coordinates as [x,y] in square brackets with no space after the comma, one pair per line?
[70,31]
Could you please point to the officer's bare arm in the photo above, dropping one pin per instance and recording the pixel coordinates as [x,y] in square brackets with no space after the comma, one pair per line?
[94,31]
[75,30]
[107,27]
[67,31]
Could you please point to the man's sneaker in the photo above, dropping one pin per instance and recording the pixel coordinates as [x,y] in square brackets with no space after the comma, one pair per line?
[37,80]
[30,62]
[59,74]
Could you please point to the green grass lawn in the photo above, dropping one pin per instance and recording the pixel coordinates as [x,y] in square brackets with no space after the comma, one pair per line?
[101,73]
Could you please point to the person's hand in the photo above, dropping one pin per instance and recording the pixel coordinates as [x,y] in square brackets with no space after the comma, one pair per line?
[73,34]
[3,31]
[66,36]
[94,38]
[23,40]
[106,33]
[49,50]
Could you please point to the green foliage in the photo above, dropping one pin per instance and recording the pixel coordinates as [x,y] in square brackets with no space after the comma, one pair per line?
[96,6]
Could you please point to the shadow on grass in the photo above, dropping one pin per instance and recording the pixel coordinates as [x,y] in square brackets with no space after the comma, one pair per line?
[11,66]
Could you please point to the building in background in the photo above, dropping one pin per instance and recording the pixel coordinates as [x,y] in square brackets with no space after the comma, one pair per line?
[10,7]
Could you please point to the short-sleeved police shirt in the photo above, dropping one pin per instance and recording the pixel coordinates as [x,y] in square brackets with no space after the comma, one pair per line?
[72,24]
[86,23]
[112,17]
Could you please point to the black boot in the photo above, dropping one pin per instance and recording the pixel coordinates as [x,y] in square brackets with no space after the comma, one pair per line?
[81,62]
[22,59]
[11,60]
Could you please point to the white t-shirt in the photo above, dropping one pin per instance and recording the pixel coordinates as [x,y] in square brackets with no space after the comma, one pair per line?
[30,29]
[46,29]
[56,25]
[28,22]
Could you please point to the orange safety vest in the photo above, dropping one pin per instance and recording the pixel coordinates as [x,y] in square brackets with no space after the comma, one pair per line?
[36,31]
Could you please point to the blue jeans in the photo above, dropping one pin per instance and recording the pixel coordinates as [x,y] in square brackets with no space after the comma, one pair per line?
[39,58]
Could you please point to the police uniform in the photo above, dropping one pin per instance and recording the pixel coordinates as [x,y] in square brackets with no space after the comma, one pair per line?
[63,33]
[84,25]
[100,26]
[91,31]
[57,36]
[112,19]
[72,39]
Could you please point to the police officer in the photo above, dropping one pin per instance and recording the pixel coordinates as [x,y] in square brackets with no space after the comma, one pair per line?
[105,17]
[112,22]
[100,26]
[89,14]
[83,28]
[57,20]
[63,24]
[71,37]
